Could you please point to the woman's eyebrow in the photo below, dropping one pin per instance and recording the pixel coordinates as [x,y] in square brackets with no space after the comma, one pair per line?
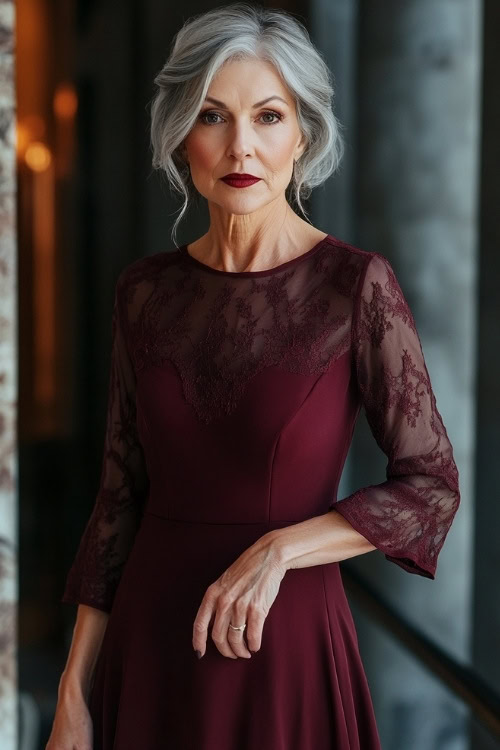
[257,104]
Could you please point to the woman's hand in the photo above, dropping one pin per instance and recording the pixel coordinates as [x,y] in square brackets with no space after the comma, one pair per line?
[244,593]
[72,728]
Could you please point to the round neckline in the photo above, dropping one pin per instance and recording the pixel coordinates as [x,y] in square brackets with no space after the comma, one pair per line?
[182,249]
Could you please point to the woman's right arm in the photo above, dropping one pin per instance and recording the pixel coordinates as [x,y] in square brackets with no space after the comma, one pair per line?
[88,633]
[72,726]
[106,543]
[109,535]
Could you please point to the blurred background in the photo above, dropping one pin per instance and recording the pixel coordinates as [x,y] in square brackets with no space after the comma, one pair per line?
[417,93]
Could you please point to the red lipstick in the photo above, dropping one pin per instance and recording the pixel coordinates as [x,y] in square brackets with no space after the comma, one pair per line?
[237,179]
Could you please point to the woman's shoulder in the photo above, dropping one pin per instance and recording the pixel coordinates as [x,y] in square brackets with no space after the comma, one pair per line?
[350,251]
[145,269]
[347,264]
[370,263]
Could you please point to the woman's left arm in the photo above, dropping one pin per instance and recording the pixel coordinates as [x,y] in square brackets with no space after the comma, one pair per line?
[408,516]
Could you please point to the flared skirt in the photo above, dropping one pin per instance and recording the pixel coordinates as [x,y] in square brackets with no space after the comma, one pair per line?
[304,689]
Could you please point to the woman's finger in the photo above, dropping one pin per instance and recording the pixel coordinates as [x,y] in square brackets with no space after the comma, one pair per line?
[256,617]
[202,621]
[236,638]
[221,626]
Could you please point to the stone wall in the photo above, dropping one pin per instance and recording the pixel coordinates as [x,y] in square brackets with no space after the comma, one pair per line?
[8,384]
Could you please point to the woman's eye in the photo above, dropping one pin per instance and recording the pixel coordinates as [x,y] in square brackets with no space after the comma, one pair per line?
[208,114]
[205,115]
[273,114]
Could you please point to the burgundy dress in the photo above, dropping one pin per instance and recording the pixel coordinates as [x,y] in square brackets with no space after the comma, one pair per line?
[232,401]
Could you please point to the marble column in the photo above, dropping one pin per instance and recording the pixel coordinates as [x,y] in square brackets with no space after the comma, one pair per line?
[8,384]
[414,97]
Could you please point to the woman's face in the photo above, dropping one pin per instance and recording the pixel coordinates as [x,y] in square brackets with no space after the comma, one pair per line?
[234,135]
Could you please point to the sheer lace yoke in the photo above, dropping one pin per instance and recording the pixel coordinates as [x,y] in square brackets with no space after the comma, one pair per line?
[221,328]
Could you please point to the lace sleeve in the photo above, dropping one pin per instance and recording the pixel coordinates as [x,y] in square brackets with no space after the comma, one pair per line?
[408,516]
[110,531]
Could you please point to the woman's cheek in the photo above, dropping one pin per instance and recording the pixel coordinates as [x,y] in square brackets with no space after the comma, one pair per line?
[201,148]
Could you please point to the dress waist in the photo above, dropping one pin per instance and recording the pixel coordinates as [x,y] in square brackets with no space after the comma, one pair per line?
[265,524]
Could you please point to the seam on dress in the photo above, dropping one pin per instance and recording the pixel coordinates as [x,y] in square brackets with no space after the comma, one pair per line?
[356,304]
[333,653]
[277,442]
[283,428]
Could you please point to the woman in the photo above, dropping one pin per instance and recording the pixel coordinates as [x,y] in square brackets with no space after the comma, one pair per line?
[240,362]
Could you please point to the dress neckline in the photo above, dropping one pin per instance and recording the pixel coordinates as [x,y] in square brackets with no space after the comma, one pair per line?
[182,249]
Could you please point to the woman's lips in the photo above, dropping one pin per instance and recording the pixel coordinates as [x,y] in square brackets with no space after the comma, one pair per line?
[240,181]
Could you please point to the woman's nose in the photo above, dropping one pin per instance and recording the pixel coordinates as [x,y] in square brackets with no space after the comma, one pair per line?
[240,140]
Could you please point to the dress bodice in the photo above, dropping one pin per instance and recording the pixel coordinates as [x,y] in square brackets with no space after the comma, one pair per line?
[233,397]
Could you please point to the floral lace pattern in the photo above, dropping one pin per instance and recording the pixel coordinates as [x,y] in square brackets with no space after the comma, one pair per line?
[408,516]
[111,528]
[243,325]
[219,330]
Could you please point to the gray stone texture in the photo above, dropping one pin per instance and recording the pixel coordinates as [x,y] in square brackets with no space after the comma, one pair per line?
[413,101]
[8,385]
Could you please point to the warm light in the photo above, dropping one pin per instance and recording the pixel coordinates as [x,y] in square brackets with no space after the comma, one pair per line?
[28,129]
[65,101]
[37,156]
[23,137]
[35,125]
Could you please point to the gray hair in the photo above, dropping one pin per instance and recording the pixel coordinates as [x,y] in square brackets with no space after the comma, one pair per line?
[238,31]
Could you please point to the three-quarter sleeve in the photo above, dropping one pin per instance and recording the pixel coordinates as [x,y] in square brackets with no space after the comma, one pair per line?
[408,516]
[110,531]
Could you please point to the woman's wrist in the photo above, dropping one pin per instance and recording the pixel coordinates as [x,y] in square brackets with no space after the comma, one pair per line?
[316,541]
[73,688]
[277,542]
